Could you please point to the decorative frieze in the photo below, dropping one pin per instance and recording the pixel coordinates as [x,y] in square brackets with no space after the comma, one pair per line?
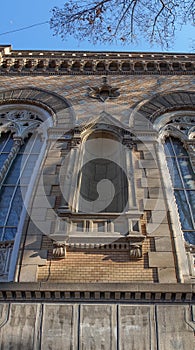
[25,62]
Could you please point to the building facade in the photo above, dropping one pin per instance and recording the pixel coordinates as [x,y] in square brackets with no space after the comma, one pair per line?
[97,200]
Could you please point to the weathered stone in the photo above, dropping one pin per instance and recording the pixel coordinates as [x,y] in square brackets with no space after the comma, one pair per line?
[148,164]
[154,204]
[59,330]
[33,242]
[155,192]
[163,244]
[32,257]
[153,173]
[21,331]
[136,327]
[150,182]
[98,332]
[28,273]
[158,229]
[173,330]
[161,259]
[167,275]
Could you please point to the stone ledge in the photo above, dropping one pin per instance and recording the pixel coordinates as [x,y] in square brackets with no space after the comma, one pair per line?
[154,292]
[111,287]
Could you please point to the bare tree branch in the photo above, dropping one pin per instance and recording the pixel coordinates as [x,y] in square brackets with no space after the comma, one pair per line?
[126,20]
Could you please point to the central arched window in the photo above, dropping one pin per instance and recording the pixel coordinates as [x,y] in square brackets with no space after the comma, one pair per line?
[183,181]
[102,180]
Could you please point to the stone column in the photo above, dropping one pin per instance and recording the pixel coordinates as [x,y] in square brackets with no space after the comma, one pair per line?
[69,175]
[130,176]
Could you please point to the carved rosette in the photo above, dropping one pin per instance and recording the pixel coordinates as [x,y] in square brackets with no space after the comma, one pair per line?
[103,92]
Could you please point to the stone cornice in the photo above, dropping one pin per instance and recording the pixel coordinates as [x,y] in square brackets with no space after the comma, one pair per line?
[95,292]
[25,62]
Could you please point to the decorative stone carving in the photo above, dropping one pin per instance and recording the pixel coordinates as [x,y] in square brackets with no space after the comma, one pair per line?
[190,247]
[181,125]
[103,92]
[20,122]
[135,250]
[5,255]
[129,143]
[59,249]
[88,63]
[135,240]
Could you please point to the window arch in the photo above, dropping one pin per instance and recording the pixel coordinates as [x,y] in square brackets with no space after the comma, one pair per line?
[21,142]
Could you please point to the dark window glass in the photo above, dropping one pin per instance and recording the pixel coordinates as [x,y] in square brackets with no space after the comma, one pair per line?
[183,179]
[15,184]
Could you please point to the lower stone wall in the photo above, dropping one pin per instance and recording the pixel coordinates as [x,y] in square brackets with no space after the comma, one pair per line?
[71,326]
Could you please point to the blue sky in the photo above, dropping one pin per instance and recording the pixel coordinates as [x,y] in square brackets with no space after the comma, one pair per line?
[20,13]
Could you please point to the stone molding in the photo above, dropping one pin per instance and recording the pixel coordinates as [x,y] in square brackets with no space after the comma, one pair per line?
[79,62]
[87,240]
[161,103]
[124,292]
[47,100]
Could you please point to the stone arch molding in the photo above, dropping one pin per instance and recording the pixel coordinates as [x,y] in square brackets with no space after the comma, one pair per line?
[22,111]
[164,102]
[53,103]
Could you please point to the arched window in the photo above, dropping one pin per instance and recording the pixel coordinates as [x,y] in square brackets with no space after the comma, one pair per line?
[103,182]
[183,181]
[20,150]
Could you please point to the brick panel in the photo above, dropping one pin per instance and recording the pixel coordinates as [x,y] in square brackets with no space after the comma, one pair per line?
[97,265]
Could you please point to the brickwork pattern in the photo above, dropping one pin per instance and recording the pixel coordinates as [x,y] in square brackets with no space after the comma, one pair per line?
[132,89]
[97,265]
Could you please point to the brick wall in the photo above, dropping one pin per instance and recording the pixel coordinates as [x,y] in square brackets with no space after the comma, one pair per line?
[97,265]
